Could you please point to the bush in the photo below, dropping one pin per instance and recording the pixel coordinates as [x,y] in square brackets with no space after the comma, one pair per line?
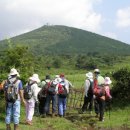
[121,89]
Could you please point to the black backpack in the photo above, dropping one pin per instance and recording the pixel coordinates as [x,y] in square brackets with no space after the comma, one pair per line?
[90,90]
[51,89]
[11,91]
[27,91]
[43,92]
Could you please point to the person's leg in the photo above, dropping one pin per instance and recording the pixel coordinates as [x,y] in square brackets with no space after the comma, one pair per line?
[9,109]
[27,108]
[84,107]
[47,104]
[60,106]
[90,103]
[96,106]
[101,109]
[16,114]
[54,104]
[31,106]
[64,106]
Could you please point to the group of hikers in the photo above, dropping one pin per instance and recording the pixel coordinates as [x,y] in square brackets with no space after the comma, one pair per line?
[40,94]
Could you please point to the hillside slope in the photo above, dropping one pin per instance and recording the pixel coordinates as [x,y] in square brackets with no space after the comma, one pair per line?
[67,40]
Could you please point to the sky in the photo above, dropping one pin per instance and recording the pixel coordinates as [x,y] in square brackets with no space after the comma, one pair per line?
[109,18]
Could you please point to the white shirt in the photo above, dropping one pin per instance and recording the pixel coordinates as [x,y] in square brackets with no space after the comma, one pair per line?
[86,86]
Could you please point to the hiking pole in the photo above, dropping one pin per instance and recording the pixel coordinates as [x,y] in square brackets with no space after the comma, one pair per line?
[109,108]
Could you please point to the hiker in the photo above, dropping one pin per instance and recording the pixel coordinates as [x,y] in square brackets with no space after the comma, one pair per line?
[42,94]
[88,91]
[13,89]
[62,76]
[51,96]
[63,90]
[107,84]
[99,93]
[30,94]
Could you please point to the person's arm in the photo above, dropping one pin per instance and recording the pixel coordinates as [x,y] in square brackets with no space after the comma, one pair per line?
[35,91]
[86,87]
[21,93]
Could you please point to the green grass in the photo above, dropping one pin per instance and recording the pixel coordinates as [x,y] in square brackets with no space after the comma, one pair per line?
[74,121]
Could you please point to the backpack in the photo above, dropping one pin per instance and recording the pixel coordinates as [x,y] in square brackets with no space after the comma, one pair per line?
[43,92]
[99,91]
[51,89]
[62,91]
[11,91]
[27,91]
[90,90]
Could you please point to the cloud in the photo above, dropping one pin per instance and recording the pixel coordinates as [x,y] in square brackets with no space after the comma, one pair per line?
[123,18]
[110,35]
[20,15]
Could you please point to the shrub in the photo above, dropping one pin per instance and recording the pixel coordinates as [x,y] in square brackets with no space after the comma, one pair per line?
[121,89]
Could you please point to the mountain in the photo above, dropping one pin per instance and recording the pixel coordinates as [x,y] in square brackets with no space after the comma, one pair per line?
[67,40]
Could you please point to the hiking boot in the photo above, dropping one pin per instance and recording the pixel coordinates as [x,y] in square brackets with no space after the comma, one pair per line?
[28,123]
[8,127]
[43,116]
[90,112]
[96,116]
[61,116]
[64,113]
[53,114]
[16,127]
[102,120]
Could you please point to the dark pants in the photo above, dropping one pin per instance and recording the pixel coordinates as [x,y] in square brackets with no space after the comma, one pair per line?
[88,101]
[42,103]
[99,107]
[50,98]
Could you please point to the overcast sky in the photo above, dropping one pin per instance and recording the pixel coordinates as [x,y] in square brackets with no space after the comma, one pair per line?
[110,18]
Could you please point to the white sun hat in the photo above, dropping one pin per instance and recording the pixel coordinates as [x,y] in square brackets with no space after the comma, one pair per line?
[57,76]
[13,71]
[96,71]
[107,80]
[89,75]
[35,77]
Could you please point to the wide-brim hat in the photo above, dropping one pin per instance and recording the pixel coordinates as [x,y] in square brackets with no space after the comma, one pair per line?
[96,71]
[13,71]
[35,78]
[107,80]
[57,76]
[89,75]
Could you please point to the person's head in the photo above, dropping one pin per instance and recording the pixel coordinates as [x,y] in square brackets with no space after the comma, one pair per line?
[89,75]
[34,78]
[107,81]
[13,73]
[96,72]
[62,76]
[47,77]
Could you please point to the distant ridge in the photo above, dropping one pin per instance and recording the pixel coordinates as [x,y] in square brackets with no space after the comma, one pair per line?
[67,40]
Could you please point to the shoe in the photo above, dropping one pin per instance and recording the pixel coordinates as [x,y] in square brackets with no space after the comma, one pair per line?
[53,114]
[28,122]
[90,112]
[102,120]
[61,116]
[96,116]
[43,116]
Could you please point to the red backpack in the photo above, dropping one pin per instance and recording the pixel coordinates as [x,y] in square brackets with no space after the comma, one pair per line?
[62,91]
[99,90]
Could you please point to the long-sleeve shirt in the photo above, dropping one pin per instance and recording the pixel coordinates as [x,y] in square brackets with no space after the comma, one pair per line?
[86,86]
[34,90]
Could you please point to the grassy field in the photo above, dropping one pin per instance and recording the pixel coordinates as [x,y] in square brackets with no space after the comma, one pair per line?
[73,121]
[116,118]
